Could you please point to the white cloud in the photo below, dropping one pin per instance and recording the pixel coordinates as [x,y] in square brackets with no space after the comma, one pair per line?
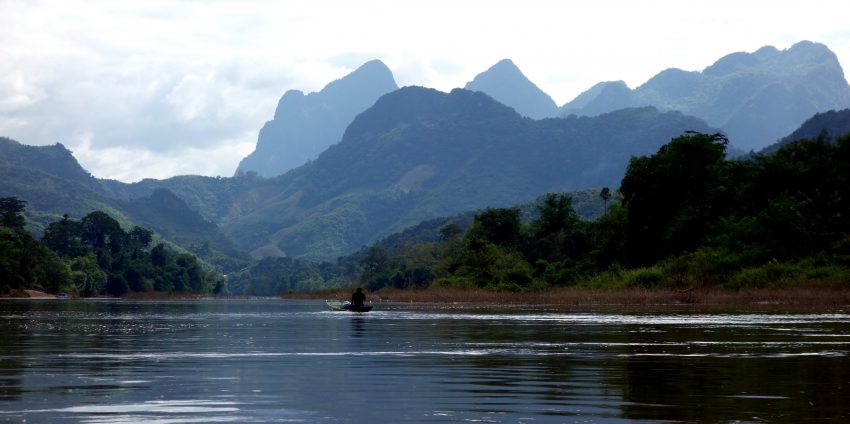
[155,85]
[133,163]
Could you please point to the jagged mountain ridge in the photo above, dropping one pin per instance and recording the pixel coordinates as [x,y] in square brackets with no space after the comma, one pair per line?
[305,125]
[509,86]
[756,98]
[419,153]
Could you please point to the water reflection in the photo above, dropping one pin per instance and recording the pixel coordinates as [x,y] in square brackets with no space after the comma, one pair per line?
[358,325]
[277,361]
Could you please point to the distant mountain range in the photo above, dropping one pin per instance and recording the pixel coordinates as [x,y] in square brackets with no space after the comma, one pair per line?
[339,169]
[756,98]
[418,154]
[507,84]
[305,125]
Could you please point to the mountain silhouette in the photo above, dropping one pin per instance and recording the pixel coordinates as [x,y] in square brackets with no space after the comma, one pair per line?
[305,125]
[507,84]
[756,98]
[832,124]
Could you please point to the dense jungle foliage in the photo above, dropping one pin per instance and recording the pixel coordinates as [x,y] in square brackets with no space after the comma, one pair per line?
[92,257]
[686,217]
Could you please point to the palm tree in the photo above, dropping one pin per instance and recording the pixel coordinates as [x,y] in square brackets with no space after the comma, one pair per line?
[605,194]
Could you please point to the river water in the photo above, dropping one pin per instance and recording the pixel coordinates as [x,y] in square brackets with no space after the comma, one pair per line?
[273,361]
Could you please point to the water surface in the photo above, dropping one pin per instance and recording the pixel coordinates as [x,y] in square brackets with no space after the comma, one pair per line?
[275,361]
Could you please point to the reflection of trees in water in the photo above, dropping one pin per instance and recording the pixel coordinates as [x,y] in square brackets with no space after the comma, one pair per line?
[751,384]
[533,361]
[48,334]
[11,368]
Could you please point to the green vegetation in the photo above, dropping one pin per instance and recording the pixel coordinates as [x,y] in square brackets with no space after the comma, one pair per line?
[273,276]
[688,218]
[54,184]
[91,257]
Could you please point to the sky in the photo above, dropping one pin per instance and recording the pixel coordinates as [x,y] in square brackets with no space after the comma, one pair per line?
[158,88]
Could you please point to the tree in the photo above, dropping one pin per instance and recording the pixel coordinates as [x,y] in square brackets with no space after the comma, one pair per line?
[138,240]
[500,226]
[11,213]
[89,279]
[450,231]
[605,194]
[100,231]
[377,268]
[673,196]
[557,233]
[11,253]
[65,238]
[556,214]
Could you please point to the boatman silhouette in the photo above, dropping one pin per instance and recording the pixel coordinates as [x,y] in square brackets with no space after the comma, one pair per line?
[357,298]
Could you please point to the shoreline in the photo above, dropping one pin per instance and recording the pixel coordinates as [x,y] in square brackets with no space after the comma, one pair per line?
[584,297]
[571,297]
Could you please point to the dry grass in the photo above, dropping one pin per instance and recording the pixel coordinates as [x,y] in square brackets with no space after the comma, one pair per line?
[797,297]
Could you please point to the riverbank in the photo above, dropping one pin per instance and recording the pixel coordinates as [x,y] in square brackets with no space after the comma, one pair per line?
[27,294]
[573,296]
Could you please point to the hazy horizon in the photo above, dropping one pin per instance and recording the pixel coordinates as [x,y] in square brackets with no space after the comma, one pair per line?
[156,89]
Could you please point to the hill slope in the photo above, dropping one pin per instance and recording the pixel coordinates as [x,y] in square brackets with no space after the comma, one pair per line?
[832,124]
[53,183]
[420,154]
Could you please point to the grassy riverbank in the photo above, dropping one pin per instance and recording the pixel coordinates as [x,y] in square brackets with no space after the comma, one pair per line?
[803,297]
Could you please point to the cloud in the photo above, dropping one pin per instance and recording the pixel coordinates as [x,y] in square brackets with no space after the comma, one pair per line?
[130,163]
[160,87]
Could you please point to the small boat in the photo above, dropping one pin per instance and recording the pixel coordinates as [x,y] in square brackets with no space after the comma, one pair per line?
[338,305]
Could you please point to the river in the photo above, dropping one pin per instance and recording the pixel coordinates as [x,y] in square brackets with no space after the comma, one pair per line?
[273,361]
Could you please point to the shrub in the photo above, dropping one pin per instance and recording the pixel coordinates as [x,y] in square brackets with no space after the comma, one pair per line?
[644,277]
[774,274]
[455,282]
[519,276]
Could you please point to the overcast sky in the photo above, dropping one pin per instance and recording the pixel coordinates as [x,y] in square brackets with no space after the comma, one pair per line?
[141,89]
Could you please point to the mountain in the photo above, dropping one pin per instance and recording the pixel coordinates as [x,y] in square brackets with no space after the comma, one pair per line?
[832,124]
[756,98]
[50,180]
[305,125]
[601,98]
[53,183]
[418,154]
[507,84]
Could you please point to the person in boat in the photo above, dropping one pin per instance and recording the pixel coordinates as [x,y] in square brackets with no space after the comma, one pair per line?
[358,298]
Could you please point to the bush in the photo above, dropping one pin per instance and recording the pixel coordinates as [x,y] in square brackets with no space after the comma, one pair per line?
[455,282]
[520,276]
[644,277]
[505,287]
[771,275]
[705,267]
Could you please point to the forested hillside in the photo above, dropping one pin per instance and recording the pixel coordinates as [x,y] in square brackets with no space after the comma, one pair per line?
[419,154]
[53,184]
[831,124]
[92,257]
[688,218]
